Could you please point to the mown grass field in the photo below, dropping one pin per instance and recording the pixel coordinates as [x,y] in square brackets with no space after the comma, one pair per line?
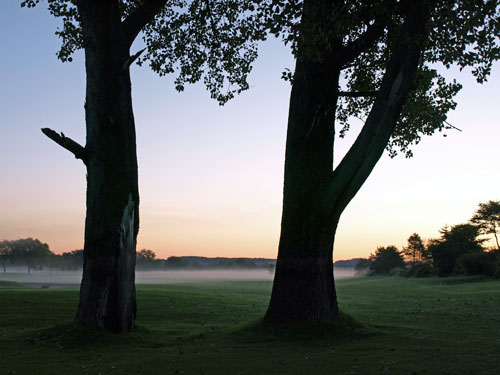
[409,326]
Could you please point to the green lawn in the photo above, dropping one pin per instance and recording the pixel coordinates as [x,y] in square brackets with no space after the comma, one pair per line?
[409,326]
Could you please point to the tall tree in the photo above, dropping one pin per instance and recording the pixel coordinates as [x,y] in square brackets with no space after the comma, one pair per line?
[201,39]
[32,252]
[487,217]
[5,253]
[415,250]
[385,260]
[371,59]
[456,241]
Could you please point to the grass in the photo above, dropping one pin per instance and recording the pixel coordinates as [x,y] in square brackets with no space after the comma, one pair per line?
[408,326]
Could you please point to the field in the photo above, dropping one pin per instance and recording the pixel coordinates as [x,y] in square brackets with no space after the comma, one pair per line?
[407,326]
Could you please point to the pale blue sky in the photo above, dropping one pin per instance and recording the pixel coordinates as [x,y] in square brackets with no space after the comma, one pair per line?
[210,176]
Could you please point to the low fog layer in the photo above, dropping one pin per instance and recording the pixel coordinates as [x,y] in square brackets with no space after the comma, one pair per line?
[57,278]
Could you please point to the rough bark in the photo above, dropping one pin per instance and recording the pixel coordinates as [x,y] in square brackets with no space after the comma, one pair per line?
[303,288]
[315,195]
[107,293]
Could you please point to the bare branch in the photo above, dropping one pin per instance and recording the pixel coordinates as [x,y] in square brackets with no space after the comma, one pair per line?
[357,94]
[131,60]
[75,148]
[140,17]
[451,126]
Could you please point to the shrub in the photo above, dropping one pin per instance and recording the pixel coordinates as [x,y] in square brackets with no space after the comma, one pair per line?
[420,270]
[481,263]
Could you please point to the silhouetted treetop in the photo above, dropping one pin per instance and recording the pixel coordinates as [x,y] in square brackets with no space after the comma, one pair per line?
[487,216]
[415,250]
[361,36]
[385,260]
[211,40]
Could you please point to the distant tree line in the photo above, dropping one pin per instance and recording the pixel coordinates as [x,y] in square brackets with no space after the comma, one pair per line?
[36,255]
[459,250]
[146,260]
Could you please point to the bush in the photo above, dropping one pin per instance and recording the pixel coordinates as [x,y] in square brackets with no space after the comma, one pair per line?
[482,263]
[420,270]
[397,271]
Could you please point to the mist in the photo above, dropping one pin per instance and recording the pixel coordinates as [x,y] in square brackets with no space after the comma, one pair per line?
[71,279]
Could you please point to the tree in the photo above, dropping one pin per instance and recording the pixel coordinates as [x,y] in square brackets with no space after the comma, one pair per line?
[363,265]
[370,59]
[201,39]
[415,250]
[145,258]
[487,217]
[31,252]
[385,260]
[454,242]
[72,260]
[5,253]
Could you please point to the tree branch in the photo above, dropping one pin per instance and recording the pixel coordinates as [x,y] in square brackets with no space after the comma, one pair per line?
[450,126]
[140,17]
[75,148]
[369,146]
[131,59]
[357,94]
[365,41]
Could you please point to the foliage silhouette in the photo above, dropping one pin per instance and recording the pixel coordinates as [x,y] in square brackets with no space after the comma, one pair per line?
[385,260]
[454,242]
[487,217]
[30,252]
[415,250]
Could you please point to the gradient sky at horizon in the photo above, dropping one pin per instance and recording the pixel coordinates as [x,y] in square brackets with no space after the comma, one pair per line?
[211,177]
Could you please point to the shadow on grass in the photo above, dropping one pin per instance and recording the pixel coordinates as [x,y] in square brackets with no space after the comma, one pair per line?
[70,335]
[345,328]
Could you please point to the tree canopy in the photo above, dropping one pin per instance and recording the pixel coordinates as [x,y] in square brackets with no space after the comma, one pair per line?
[29,251]
[455,241]
[487,217]
[385,260]
[461,33]
[415,250]
[214,41]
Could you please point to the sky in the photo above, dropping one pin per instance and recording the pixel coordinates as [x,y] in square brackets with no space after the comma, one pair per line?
[211,177]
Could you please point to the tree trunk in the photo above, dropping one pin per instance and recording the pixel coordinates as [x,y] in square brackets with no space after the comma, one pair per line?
[303,288]
[107,294]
